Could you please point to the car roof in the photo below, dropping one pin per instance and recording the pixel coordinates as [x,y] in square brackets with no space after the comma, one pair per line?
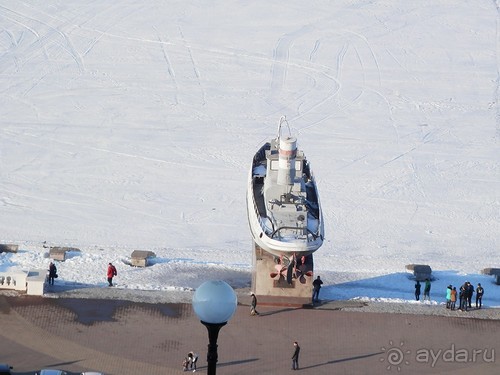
[49,371]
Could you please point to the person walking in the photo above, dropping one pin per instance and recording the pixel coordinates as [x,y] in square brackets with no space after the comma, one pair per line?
[453,298]
[427,289]
[52,273]
[295,356]
[479,296]
[192,359]
[111,273]
[316,287]
[417,290]
[253,305]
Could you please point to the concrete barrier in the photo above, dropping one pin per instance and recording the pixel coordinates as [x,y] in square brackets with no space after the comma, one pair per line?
[493,272]
[35,282]
[8,248]
[421,272]
[15,280]
[141,258]
[32,282]
[59,253]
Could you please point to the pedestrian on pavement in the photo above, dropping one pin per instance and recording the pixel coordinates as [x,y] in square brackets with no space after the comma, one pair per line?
[185,364]
[448,296]
[253,306]
[417,290]
[52,273]
[479,296]
[192,358]
[453,298]
[427,289]
[111,273]
[316,287]
[470,292]
[463,297]
[295,356]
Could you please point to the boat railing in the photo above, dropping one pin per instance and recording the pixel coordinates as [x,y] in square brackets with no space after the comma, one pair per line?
[309,235]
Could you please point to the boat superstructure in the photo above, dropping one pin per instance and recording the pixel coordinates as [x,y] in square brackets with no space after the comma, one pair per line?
[284,211]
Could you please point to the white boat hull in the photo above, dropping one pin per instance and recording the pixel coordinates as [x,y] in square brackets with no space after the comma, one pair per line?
[284,212]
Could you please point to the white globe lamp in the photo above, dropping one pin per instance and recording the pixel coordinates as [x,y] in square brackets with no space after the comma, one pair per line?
[214,302]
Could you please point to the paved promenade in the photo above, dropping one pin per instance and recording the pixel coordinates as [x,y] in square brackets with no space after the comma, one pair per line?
[124,337]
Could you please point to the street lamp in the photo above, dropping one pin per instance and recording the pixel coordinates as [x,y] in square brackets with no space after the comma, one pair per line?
[214,302]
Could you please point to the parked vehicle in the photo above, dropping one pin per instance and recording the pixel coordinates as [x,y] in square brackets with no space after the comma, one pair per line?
[5,369]
[49,371]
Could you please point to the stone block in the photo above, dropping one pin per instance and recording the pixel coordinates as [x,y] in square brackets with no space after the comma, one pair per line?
[59,253]
[420,271]
[15,280]
[493,272]
[36,282]
[141,258]
[8,248]
[274,289]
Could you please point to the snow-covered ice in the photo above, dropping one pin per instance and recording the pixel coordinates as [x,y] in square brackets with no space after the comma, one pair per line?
[132,125]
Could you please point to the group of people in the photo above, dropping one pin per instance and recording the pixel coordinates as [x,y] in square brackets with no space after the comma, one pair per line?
[464,296]
[427,290]
[52,273]
[189,362]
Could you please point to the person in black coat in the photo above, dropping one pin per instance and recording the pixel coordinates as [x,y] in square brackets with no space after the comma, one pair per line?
[463,297]
[192,360]
[417,290]
[316,287]
[295,356]
[52,273]
[253,306]
[470,292]
[479,296]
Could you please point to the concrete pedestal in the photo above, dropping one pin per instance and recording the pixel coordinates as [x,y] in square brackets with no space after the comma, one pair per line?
[271,286]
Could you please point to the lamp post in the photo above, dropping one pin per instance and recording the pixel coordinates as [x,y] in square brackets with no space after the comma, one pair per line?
[214,302]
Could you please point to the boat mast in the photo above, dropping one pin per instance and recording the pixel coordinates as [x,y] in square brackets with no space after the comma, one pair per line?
[280,124]
[287,150]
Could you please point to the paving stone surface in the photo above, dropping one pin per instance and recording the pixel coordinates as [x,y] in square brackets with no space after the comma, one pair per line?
[126,337]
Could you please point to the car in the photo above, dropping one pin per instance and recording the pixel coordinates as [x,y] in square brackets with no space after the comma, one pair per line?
[50,371]
[91,373]
[5,369]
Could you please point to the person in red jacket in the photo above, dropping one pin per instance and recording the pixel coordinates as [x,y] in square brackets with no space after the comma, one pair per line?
[111,273]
